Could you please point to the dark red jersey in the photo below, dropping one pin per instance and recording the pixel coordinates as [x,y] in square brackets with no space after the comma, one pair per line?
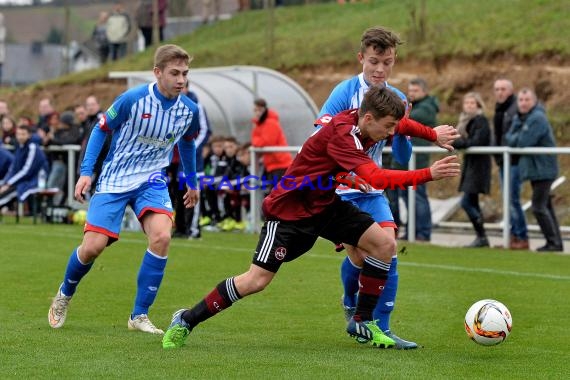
[306,189]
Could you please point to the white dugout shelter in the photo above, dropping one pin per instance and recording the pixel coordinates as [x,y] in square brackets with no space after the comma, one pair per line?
[227,94]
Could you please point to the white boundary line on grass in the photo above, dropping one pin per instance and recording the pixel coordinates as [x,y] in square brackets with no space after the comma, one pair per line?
[484,270]
[197,244]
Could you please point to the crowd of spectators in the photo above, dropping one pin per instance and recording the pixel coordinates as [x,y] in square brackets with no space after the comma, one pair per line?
[32,167]
[519,120]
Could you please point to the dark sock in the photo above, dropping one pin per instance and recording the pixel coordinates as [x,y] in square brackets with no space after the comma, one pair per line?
[220,298]
[372,280]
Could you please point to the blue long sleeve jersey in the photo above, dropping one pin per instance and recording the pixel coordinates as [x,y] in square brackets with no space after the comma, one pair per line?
[348,94]
[145,126]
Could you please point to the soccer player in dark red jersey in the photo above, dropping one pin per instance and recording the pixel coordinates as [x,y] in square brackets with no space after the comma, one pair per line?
[302,207]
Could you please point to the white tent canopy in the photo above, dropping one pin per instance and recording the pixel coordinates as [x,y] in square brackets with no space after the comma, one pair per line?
[227,94]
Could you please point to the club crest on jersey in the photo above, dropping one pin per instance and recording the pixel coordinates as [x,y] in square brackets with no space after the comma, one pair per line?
[280,253]
[146,116]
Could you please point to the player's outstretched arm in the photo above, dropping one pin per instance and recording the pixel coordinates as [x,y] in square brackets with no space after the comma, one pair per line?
[446,135]
[445,168]
[82,186]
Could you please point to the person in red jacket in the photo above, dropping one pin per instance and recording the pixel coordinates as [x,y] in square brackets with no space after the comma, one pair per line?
[267,132]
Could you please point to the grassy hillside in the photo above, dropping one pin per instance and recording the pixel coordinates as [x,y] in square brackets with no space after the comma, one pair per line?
[324,34]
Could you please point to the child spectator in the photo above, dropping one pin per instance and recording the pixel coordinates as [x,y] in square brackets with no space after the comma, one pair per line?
[22,177]
[215,166]
[232,196]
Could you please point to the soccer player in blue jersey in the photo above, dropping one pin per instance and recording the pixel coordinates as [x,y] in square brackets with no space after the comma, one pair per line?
[145,123]
[377,56]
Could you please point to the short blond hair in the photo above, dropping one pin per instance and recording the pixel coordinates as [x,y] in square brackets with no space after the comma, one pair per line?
[169,53]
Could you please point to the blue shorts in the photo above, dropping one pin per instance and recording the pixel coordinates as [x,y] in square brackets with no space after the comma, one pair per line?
[374,204]
[106,210]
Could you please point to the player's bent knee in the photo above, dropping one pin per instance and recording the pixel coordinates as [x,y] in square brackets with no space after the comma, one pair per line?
[91,249]
[160,239]
[253,281]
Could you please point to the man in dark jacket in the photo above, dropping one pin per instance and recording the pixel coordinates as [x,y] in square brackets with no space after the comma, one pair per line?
[505,111]
[530,128]
[424,110]
[94,113]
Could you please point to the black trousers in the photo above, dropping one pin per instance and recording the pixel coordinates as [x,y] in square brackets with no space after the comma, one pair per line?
[544,213]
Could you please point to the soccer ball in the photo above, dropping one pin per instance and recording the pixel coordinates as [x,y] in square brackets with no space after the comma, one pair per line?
[488,322]
[80,217]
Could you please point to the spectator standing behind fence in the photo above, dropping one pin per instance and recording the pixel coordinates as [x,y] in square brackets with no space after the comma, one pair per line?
[267,132]
[99,36]
[94,114]
[144,18]
[193,213]
[424,110]
[505,111]
[118,28]
[63,131]
[210,8]
[45,109]
[22,177]
[531,128]
[186,220]
[474,129]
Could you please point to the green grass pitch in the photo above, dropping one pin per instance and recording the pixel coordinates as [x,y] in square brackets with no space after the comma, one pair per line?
[293,330]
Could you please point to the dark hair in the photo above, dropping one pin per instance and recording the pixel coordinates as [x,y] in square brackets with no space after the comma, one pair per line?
[420,82]
[231,139]
[381,102]
[260,102]
[244,147]
[25,128]
[216,138]
[379,38]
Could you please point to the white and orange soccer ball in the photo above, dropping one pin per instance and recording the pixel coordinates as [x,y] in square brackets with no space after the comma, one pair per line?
[488,322]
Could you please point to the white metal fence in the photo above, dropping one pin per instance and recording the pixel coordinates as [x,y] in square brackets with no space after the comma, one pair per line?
[255,196]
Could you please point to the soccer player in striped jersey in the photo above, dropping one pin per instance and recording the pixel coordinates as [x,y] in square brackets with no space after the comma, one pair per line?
[145,123]
[377,56]
[304,206]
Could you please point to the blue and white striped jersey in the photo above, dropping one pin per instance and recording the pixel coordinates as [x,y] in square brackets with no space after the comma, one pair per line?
[145,126]
[348,94]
